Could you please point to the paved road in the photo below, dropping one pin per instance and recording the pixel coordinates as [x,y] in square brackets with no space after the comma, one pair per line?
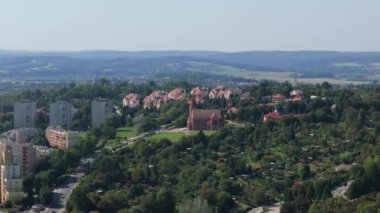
[275,208]
[62,193]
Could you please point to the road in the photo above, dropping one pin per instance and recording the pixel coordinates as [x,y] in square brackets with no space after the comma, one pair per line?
[275,208]
[62,193]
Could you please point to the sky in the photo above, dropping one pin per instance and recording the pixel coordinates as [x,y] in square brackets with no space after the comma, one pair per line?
[220,25]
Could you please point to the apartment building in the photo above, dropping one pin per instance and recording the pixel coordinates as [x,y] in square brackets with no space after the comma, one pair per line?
[24,114]
[100,110]
[60,138]
[61,113]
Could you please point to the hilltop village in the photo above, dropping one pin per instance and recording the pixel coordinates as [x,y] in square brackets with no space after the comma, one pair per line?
[225,148]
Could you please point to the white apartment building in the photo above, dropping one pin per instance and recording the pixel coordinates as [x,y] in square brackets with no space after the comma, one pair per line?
[100,110]
[61,113]
[24,114]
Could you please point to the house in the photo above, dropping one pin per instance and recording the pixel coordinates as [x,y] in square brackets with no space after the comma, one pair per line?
[199,94]
[221,92]
[246,97]
[297,95]
[177,94]
[131,100]
[278,98]
[204,119]
[155,99]
[272,116]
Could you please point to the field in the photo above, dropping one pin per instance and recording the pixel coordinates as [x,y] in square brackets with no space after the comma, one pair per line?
[225,70]
[126,132]
[122,133]
[176,136]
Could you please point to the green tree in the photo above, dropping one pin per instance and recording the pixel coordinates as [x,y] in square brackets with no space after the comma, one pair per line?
[165,201]
[45,195]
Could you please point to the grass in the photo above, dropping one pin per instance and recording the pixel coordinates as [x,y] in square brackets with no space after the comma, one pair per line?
[126,132]
[122,133]
[276,76]
[176,136]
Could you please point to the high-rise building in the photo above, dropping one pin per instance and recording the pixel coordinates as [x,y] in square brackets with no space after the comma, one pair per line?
[24,114]
[100,110]
[11,182]
[15,159]
[61,113]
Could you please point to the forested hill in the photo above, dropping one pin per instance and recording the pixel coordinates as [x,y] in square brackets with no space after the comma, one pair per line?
[279,59]
[362,66]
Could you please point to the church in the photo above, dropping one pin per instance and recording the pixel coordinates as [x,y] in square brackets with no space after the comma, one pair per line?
[204,119]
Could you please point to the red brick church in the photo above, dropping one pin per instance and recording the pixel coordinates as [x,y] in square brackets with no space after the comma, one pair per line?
[204,119]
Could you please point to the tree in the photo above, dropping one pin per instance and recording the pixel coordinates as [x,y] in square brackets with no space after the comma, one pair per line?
[196,206]
[303,171]
[45,195]
[165,201]
[27,184]
[112,201]
[224,202]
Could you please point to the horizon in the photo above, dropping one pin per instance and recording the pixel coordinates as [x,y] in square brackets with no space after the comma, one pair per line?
[174,50]
[239,26]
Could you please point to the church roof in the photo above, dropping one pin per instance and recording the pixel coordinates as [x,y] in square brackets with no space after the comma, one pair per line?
[206,113]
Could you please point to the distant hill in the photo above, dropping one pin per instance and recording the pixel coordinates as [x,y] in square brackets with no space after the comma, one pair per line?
[119,63]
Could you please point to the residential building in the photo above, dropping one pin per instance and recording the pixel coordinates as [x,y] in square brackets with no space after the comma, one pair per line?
[246,98]
[16,160]
[11,182]
[155,99]
[42,151]
[24,154]
[278,98]
[204,119]
[297,95]
[131,100]
[177,94]
[22,135]
[61,113]
[24,114]
[221,92]
[60,138]
[100,110]
[199,94]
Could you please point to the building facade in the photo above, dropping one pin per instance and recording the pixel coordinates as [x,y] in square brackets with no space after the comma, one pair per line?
[204,119]
[16,160]
[24,114]
[100,110]
[278,98]
[131,100]
[61,139]
[61,113]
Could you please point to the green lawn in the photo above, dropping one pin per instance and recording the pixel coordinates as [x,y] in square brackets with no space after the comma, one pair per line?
[121,134]
[126,132]
[176,136]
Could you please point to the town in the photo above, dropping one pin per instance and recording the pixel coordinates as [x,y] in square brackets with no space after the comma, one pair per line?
[106,119]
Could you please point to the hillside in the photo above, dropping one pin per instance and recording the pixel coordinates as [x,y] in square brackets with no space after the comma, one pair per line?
[303,66]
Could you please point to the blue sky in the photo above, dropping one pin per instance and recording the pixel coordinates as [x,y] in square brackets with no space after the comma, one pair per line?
[227,25]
